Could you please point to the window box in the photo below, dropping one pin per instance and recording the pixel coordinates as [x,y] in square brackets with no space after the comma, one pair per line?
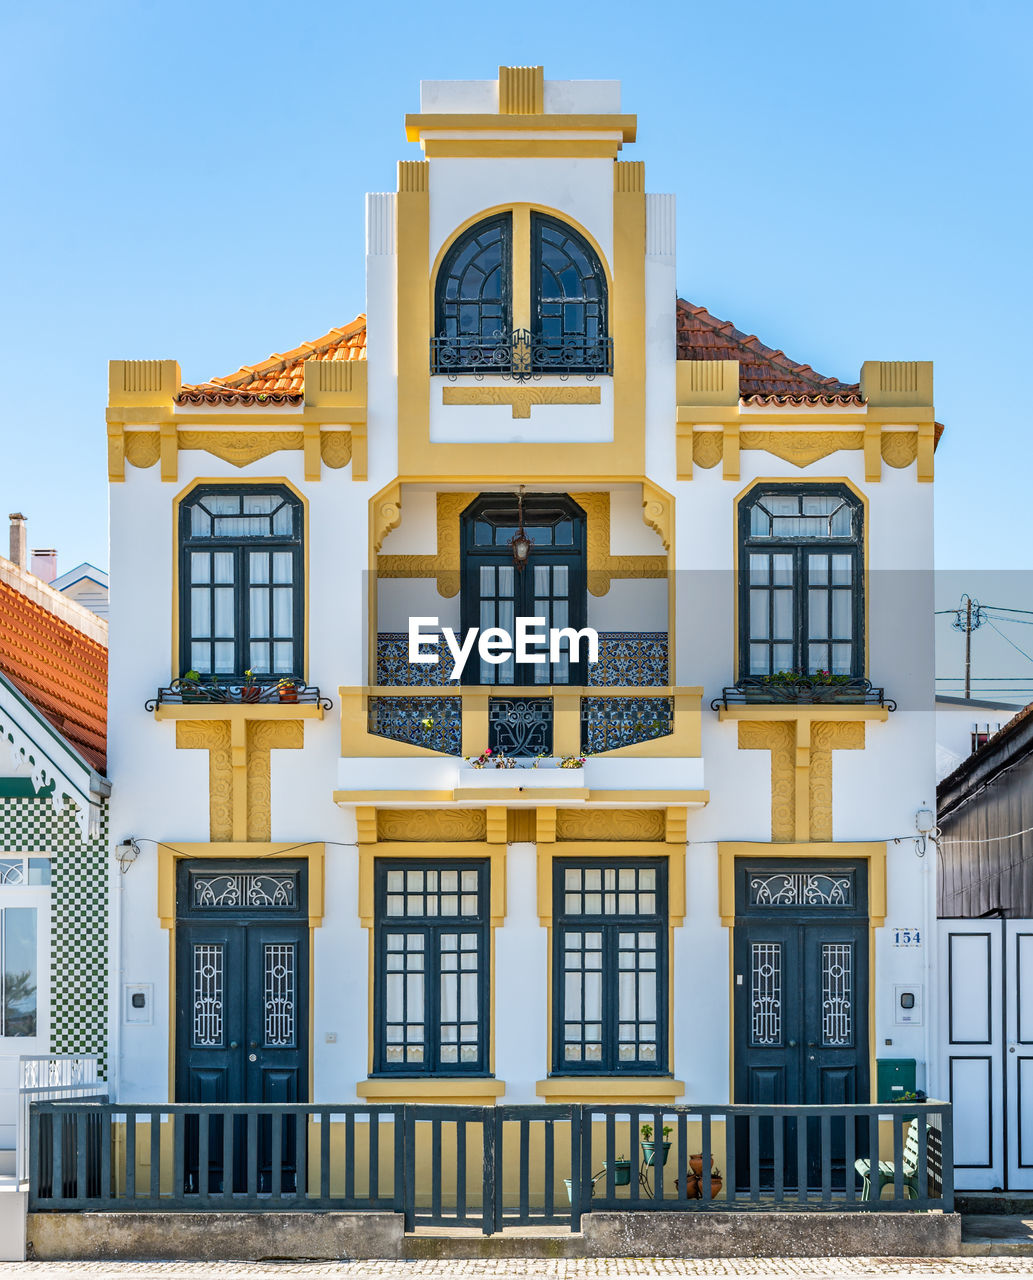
[546,775]
[758,691]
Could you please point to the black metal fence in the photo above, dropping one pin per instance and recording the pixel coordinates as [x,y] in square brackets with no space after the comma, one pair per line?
[489,1167]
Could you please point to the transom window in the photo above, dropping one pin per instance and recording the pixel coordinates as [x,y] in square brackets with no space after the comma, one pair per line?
[610,966]
[551,585]
[802,582]
[241,571]
[432,995]
[482,325]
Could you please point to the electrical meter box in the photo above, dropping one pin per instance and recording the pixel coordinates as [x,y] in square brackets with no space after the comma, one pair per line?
[895,1077]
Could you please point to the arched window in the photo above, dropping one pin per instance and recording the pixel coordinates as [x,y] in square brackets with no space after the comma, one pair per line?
[241,581]
[551,585]
[569,304]
[801,581]
[559,326]
[472,297]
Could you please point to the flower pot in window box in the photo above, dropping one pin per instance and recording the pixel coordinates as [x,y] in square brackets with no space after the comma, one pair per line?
[287,690]
[249,690]
[189,686]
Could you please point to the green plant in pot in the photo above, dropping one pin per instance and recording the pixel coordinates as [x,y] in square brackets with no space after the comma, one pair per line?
[250,690]
[649,1146]
[190,686]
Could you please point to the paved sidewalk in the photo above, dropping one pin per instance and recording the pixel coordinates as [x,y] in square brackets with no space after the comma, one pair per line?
[529,1269]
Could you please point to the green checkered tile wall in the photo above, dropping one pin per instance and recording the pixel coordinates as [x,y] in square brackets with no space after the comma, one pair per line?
[78,919]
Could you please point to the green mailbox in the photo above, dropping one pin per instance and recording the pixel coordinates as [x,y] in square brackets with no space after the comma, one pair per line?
[894,1078]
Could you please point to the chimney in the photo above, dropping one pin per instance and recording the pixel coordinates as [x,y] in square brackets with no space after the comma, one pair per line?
[19,540]
[44,563]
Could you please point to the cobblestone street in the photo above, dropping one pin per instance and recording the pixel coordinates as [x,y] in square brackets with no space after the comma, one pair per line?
[530,1269]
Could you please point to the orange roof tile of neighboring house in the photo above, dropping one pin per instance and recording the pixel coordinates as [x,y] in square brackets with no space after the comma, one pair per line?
[58,667]
[281,378]
[765,375]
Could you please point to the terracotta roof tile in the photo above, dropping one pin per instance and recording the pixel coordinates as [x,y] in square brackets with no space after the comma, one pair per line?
[280,379]
[62,671]
[766,376]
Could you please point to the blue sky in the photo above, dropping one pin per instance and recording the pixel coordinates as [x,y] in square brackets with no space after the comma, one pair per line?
[187,180]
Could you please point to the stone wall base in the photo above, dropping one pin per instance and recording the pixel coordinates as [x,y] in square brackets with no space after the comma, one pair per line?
[771,1235]
[213,1237]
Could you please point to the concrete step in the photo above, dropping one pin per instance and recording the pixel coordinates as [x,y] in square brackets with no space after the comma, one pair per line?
[998,1235]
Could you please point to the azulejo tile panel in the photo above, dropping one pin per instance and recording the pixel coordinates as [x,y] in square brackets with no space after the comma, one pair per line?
[625,658]
[78,919]
[609,723]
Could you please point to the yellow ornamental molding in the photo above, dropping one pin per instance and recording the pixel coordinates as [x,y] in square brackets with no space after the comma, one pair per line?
[240,448]
[412,176]
[602,566]
[801,448]
[264,736]
[385,514]
[826,737]
[676,825]
[143,448]
[521,91]
[213,736]
[335,448]
[780,740]
[610,824]
[431,824]
[444,564]
[707,447]
[658,511]
[899,448]
[520,399]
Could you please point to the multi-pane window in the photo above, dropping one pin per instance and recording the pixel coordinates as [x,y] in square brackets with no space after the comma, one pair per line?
[569,289]
[551,585]
[432,992]
[802,581]
[241,573]
[610,967]
[473,288]
[559,325]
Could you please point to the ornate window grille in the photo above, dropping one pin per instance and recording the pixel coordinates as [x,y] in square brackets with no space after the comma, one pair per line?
[608,723]
[801,889]
[243,891]
[766,993]
[837,972]
[520,726]
[435,723]
[208,994]
[279,979]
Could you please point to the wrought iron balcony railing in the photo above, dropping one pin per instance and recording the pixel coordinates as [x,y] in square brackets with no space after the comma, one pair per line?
[803,690]
[266,690]
[521,355]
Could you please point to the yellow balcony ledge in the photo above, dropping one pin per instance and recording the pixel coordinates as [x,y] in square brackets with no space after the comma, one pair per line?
[803,711]
[238,711]
[456,1092]
[611,1089]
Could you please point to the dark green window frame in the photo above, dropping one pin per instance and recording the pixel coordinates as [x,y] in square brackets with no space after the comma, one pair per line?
[284,536]
[422,951]
[790,618]
[627,948]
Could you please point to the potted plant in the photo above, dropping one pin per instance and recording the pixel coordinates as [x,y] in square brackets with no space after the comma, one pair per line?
[716,1183]
[573,762]
[287,689]
[696,1164]
[649,1146]
[190,687]
[249,690]
[621,1171]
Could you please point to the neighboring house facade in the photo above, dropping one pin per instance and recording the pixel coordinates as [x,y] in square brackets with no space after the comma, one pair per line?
[985,845]
[86,585]
[331,900]
[54,863]
[963,725]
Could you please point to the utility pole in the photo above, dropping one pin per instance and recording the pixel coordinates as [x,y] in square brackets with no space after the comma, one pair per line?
[970,617]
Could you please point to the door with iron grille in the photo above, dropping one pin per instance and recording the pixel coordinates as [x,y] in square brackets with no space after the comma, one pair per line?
[800,990]
[242,983]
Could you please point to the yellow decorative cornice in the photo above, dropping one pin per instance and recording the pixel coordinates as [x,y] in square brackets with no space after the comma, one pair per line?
[658,511]
[385,514]
[520,399]
[240,448]
[521,91]
[800,447]
[143,449]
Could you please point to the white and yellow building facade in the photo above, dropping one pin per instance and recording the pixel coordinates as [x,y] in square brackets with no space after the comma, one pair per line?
[686,887]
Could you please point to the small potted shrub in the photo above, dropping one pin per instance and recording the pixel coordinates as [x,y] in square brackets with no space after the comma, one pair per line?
[649,1146]
[250,691]
[287,689]
[190,687]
